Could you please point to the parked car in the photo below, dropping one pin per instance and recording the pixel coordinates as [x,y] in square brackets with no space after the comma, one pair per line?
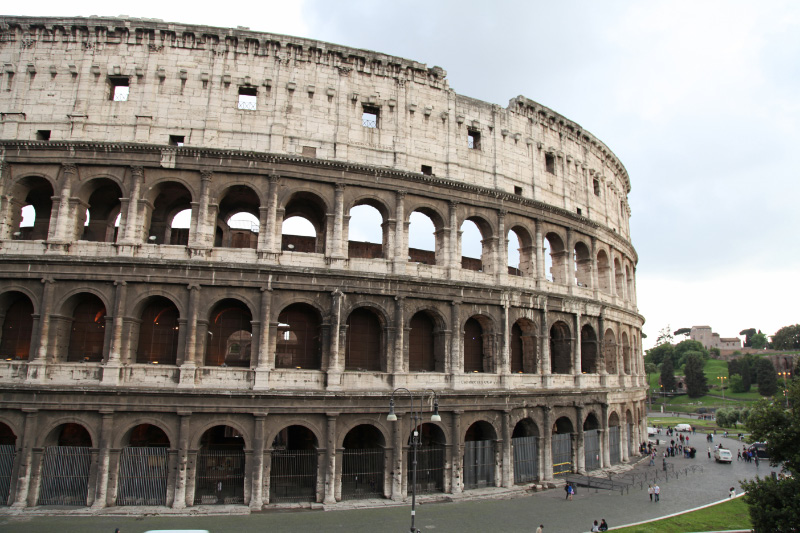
[683,427]
[651,431]
[760,449]
[721,455]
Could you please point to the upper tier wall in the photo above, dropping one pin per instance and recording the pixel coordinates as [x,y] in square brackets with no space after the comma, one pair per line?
[59,74]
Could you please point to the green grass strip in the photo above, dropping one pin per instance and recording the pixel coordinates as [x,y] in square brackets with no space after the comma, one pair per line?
[731,514]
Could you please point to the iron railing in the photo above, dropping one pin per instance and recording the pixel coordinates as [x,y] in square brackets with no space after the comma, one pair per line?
[220,477]
[478,464]
[362,473]
[614,444]
[591,446]
[143,476]
[430,469]
[65,475]
[562,454]
[293,476]
[526,459]
[7,454]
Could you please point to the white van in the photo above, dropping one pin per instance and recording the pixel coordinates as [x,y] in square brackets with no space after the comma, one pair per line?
[683,427]
[721,455]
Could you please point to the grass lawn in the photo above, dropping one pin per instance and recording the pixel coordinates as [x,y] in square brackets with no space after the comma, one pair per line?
[724,516]
[700,425]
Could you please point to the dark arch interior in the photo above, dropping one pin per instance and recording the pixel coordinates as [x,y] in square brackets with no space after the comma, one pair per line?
[560,349]
[295,438]
[88,330]
[172,198]
[525,428]
[158,333]
[363,349]
[563,425]
[421,352]
[480,431]
[222,438]
[38,193]
[311,208]
[148,435]
[230,335]
[473,346]
[17,328]
[588,350]
[104,206]
[7,436]
[591,423]
[74,435]
[363,436]
[298,343]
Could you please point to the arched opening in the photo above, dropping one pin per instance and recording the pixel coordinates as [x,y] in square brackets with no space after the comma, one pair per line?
[297,236]
[65,466]
[619,277]
[562,447]
[471,246]
[366,232]
[31,208]
[560,349]
[219,478]
[143,466]
[523,350]
[588,350]
[558,259]
[158,333]
[591,442]
[520,252]
[230,334]
[603,272]
[16,315]
[525,445]
[476,356]
[293,474]
[423,241]
[583,265]
[610,352]
[363,463]
[422,340]
[364,349]
[479,456]
[626,354]
[8,452]
[614,439]
[298,341]
[104,206]
[171,216]
[238,218]
[430,460]
[87,334]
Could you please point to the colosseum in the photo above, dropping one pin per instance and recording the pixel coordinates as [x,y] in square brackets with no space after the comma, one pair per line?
[191,316]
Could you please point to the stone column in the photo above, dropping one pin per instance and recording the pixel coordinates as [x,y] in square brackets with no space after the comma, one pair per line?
[458,454]
[63,222]
[508,462]
[398,364]
[274,229]
[111,368]
[189,366]
[576,349]
[201,237]
[25,459]
[541,275]
[624,429]
[37,367]
[257,493]
[547,456]
[263,366]
[595,274]
[106,431]
[335,363]
[453,262]
[545,336]
[131,232]
[456,367]
[397,465]
[580,456]
[400,252]
[183,460]
[504,368]
[339,239]
[604,442]
[330,456]
[501,262]
[570,279]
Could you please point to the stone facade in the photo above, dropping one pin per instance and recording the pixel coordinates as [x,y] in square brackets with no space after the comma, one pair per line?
[255,367]
[710,339]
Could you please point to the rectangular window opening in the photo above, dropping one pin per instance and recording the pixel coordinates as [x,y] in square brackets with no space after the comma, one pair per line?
[474,139]
[518,190]
[596,187]
[43,135]
[120,88]
[579,211]
[427,170]
[369,116]
[248,98]
[309,151]
[176,140]
[550,163]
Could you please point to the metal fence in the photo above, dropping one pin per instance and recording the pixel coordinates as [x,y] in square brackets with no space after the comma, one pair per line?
[526,459]
[614,444]
[562,454]
[591,446]
[7,454]
[362,473]
[65,475]
[630,440]
[430,469]
[293,476]
[143,476]
[220,477]
[478,464]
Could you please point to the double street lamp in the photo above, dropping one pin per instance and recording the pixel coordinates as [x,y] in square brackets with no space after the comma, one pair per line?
[785,375]
[722,381]
[416,421]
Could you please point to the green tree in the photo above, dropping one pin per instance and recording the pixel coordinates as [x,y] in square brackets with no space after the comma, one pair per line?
[736,383]
[668,375]
[682,331]
[773,503]
[664,336]
[696,384]
[767,377]
[740,368]
[787,338]
[748,333]
[659,353]
[759,341]
[683,348]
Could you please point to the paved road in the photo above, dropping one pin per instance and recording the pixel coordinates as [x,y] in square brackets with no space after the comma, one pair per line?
[512,515]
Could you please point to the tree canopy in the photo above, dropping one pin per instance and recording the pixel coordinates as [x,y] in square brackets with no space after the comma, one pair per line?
[682,331]
[682,350]
[759,341]
[668,375]
[773,503]
[767,377]
[749,332]
[658,354]
[696,383]
[787,338]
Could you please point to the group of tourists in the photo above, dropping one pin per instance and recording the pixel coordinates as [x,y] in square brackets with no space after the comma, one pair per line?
[748,456]
[602,526]
[655,492]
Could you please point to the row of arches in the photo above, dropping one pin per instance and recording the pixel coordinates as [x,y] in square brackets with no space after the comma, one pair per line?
[171,212]
[157,334]
[145,459]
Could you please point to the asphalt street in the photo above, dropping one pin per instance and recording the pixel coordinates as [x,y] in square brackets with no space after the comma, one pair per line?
[523,513]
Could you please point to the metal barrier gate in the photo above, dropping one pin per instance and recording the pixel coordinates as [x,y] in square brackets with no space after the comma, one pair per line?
[562,454]
[143,476]
[630,440]
[478,464]
[7,454]
[65,475]
[430,469]
[591,446]
[614,444]
[220,477]
[526,459]
[362,473]
[293,476]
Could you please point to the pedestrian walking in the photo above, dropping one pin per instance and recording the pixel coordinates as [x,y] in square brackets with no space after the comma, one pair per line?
[709,452]
[650,491]
[739,455]
[657,492]
[540,529]
[570,492]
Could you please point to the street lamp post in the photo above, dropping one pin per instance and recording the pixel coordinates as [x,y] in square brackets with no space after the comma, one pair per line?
[785,375]
[722,381]
[416,420]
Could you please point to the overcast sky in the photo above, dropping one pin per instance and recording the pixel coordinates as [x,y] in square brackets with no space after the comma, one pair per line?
[699,99]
